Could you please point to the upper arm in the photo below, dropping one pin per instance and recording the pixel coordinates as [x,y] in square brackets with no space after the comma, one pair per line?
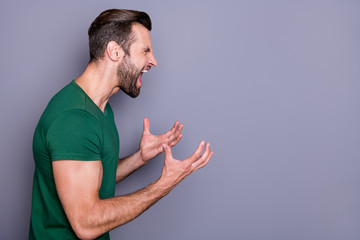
[74,142]
[78,184]
[74,135]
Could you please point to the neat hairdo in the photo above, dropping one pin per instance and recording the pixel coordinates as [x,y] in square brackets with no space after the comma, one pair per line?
[114,25]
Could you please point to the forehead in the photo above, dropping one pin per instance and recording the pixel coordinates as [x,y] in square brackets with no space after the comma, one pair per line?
[142,36]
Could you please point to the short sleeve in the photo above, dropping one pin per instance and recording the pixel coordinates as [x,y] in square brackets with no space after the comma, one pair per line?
[75,135]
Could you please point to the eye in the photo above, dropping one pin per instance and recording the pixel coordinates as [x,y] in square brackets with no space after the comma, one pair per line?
[146,50]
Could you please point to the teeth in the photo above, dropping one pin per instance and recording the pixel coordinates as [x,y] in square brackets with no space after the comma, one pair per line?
[144,71]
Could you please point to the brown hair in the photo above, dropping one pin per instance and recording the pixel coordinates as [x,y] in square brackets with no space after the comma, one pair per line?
[114,25]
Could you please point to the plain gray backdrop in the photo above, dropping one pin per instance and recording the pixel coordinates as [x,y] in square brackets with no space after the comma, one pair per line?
[273,85]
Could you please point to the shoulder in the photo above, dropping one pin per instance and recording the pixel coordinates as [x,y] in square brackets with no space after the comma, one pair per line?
[69,104]
[75,134]
[75,119]
[69,97]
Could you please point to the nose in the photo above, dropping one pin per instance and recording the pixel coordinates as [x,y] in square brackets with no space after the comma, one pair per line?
[152,60]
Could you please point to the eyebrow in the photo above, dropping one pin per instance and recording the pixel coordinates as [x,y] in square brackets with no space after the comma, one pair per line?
[146,49]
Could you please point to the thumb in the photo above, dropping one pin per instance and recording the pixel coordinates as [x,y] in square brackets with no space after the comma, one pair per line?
[167,151]
[146,125]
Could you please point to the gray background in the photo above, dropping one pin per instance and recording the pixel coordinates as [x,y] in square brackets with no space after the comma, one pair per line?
[273,85]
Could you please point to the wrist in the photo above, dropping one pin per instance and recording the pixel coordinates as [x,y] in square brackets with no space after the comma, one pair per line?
[164,184]
[139,159]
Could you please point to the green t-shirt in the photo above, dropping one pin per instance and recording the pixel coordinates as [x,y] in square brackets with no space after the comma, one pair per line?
[72,127]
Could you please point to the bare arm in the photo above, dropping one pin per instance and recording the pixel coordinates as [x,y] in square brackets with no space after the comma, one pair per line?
[128,165]
[150,146]
[78,185]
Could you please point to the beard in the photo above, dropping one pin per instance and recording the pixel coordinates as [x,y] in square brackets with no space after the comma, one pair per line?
[128,75]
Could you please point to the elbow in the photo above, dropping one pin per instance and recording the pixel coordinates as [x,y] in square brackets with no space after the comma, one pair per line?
[84,225]
[84,233]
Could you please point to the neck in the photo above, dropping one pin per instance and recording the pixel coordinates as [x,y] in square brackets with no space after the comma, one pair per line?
[99,82]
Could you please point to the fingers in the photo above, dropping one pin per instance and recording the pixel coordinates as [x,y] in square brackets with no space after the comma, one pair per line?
[175,135]
[204,162]
[175,130]
[146,125]
[167,151]
[196,154]
[174,142]
[198,160]
[176,170]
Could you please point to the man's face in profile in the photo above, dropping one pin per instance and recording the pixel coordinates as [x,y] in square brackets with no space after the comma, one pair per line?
[140,60]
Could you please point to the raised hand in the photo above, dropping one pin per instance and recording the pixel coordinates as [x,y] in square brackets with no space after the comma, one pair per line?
[174,171]
[151,145]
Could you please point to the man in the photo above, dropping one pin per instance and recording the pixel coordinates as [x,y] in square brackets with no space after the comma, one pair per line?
[76,144]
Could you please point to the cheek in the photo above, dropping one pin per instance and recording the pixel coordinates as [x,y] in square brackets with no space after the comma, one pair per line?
[140,61]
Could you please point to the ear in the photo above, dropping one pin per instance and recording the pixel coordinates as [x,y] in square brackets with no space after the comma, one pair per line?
[114,51]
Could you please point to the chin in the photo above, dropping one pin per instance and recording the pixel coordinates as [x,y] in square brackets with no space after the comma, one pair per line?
[132,94]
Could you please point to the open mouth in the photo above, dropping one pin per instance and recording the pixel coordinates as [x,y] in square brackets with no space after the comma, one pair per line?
[142,72]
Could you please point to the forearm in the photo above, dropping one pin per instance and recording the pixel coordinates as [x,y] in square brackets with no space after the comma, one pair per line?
[90,216]
[110,213]
[128,165]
